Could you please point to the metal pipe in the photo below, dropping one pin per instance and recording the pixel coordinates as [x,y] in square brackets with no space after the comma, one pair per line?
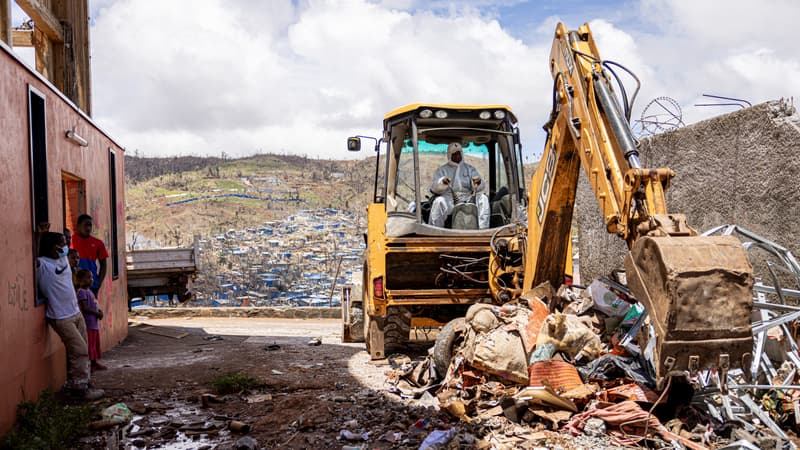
[763,416]
[377,171]
[767,324]
[619,127]
[417,196]
[771,290]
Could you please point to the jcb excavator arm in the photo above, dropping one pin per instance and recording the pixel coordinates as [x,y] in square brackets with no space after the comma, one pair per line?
[697,290]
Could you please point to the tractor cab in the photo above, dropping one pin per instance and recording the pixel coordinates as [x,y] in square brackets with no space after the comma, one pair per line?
[426,192]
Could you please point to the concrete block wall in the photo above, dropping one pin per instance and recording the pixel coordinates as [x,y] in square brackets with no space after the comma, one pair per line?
[741,168]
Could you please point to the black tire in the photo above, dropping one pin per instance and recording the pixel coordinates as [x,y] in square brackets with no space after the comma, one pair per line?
[450,335]
[397,328]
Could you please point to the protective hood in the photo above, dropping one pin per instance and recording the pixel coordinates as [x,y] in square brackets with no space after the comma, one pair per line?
[453,148]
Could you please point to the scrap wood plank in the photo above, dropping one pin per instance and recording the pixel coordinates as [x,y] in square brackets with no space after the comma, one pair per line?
[161,331]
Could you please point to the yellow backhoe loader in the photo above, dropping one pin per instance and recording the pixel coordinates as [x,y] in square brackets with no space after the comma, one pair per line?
[696,290]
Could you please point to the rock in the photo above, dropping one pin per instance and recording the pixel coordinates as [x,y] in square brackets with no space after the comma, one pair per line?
[595,427]
[138,408]
[246,443]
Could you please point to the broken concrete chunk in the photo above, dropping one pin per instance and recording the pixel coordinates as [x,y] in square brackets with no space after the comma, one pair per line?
[246,443]
[594,427]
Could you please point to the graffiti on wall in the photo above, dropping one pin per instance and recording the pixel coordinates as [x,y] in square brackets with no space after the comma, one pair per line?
[19,293]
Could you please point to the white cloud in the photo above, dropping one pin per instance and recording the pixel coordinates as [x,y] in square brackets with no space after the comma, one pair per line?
[246,75]
[736,48]
[218,78]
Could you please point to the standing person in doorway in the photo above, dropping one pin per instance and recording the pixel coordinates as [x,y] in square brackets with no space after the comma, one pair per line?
[91,251]
[54,281]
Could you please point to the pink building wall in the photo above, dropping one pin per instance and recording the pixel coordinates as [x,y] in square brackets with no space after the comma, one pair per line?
[32,357]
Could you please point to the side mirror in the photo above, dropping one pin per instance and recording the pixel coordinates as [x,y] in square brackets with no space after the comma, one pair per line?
[354,144]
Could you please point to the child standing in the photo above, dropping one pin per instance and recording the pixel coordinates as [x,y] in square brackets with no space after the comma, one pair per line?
[92,314]
[54,280]
[72,256]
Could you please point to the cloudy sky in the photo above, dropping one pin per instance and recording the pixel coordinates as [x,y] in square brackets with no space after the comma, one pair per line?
[201,77]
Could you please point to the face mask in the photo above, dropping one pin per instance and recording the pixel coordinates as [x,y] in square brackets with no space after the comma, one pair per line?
[63,251]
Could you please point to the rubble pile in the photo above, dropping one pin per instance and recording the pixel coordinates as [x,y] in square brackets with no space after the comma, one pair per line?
[573,362]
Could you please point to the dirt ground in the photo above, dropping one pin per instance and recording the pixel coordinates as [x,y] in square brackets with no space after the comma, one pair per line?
[326,396]
[312,392]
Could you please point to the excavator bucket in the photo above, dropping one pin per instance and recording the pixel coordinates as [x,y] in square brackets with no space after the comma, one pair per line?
[698,294]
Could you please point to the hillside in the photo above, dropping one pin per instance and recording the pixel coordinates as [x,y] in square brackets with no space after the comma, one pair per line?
[169,200]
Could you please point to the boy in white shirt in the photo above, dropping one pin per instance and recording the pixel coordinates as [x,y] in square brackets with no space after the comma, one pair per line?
[54,280]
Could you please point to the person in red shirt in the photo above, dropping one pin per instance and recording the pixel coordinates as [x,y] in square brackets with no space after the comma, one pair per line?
[92,252]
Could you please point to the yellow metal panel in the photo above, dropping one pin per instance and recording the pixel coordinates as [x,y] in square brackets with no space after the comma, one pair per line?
[375,257]
[425,322]
[415,106]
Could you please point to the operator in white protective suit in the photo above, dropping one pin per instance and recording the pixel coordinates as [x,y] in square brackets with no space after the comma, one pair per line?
[458,182]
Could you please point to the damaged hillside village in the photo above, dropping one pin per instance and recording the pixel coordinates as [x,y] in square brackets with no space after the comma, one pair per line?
[398,259]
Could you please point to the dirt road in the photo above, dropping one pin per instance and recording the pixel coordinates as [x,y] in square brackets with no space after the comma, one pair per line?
[308,394]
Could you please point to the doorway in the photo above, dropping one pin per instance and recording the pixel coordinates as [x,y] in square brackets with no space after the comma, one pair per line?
[73,198]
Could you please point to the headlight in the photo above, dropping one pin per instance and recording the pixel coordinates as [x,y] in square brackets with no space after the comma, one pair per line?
[485,115]
[441,114]
[426,113]
[499,114]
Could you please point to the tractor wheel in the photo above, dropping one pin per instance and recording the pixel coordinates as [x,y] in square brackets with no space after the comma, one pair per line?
[397,328]
[449,337]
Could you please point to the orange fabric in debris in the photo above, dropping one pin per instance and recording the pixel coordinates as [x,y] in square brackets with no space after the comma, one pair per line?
[626,422]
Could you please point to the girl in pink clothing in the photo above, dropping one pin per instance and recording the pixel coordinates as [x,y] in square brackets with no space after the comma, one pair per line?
[91,314]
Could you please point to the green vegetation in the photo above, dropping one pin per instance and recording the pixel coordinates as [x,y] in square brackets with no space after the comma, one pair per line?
[48,424]
[233,383]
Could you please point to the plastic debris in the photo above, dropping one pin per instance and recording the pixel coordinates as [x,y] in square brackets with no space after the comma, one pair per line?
[606,301]
[118,412]
[348,435]
[438,438]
